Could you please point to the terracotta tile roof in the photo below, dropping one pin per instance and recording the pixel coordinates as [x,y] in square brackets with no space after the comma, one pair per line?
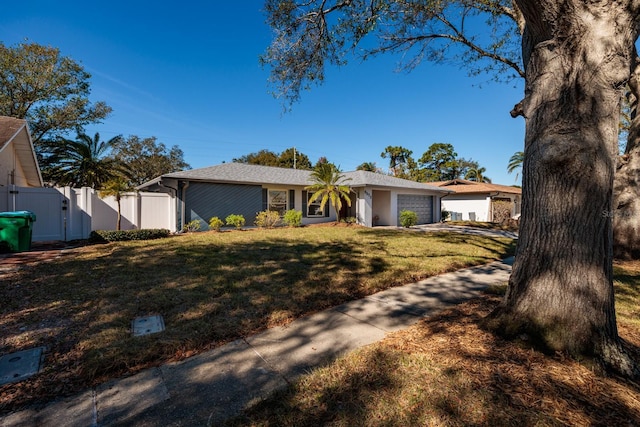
[462,186]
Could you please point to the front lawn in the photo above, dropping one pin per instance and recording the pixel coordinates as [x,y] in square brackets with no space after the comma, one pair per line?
[211,288]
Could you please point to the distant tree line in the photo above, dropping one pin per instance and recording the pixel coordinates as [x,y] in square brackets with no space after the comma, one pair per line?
[289,158]
[439,163]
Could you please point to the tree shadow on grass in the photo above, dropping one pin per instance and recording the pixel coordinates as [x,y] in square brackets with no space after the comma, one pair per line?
[448,370]
[81,309]
[209,292]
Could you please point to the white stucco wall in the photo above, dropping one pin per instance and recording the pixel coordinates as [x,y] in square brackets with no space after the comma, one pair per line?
[382,207]
[480,204]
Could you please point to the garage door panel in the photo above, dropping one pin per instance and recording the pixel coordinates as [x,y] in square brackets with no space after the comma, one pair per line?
[420,204]
[206,200]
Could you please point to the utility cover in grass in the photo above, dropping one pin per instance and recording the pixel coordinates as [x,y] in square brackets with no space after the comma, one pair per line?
[20,365]
[147,325]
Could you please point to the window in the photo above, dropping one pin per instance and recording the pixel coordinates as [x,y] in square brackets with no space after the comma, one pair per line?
[313,208]
[278,201]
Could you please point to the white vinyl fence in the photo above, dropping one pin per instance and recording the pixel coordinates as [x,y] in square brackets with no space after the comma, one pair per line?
[72,213]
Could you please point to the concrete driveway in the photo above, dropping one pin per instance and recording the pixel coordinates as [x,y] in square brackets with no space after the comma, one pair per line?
[437,227]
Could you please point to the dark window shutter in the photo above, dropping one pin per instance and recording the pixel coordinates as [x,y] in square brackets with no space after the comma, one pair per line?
[304,204]
[292,199]
[265,199]
[326,209]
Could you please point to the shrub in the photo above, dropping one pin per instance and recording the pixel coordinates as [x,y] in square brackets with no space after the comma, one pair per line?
[408,218]
[501,211]
[267,219]
[292,218]
[215,223]
[101,236]
[445,215]
[193,225]
[236,220]
[350,220]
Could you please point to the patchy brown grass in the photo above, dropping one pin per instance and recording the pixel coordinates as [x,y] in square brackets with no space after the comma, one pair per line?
[211,288]
[448,371]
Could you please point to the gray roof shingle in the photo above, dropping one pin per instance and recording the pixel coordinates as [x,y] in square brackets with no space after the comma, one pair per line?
[242,173]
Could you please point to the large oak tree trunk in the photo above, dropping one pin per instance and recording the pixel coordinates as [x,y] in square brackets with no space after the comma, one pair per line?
[577,56]
[626,203]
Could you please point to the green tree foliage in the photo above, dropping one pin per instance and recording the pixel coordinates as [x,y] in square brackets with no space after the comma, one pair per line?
[477,174]
[367,166]
[323,161]
[262,157]
[83,162]
[515,162]
[145,158]
[283,160]
[293,159]
[47,89]
[329,186]
[309,35]
[440,162]
[400,161]
[464,166]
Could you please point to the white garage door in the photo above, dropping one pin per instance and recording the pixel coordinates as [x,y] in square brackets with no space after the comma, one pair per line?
[422,205]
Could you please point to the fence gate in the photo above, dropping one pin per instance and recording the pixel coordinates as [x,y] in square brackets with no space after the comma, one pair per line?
[49,206]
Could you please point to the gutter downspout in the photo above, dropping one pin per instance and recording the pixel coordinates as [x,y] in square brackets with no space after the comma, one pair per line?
[450,192]
[183,202]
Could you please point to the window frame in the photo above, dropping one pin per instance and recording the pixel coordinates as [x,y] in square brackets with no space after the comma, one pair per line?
[285,204]
[316,203]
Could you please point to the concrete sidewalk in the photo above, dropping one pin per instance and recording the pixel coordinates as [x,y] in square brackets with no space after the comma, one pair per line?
[213,386]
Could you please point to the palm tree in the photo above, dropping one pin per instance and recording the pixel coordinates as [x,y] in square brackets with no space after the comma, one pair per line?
[116,187]
[83,162]
[329,186]
[515,162]
[367,166]
[477,175]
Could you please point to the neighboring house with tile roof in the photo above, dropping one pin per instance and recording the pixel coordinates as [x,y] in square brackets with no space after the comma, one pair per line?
[473,201]
[18,162]
[237,188]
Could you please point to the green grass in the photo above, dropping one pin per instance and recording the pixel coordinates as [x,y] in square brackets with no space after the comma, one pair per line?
[627,286]
[449,371]
[210,288]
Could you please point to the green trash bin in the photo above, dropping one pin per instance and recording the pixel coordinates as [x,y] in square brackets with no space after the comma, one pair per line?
[16,229]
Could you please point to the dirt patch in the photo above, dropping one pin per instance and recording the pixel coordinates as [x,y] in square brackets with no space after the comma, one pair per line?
[336,224]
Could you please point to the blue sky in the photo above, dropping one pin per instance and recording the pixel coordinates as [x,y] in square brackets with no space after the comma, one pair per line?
[189,75]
